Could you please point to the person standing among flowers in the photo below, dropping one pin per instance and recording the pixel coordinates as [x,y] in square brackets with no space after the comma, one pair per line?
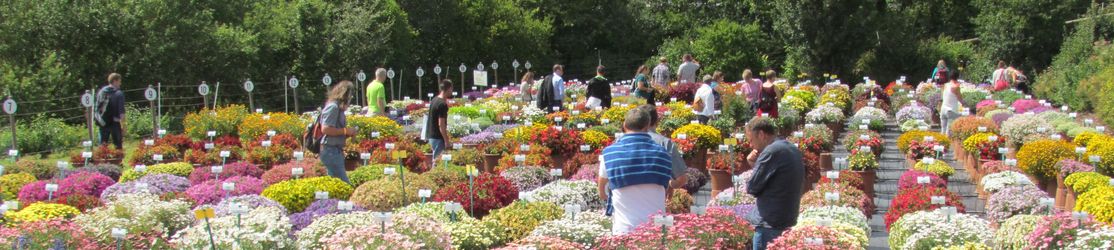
[662,73]
[686,73]
[634,174]
[527,86]
[437,123]
[940,73]
[777,182]
[767,98]
[599,91]
[110,111]
[675,154]
[335,127]
[642,86]
[950,96]
[704,102]
[377,94]
[751,86]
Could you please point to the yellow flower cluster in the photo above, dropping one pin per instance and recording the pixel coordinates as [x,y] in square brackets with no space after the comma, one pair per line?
[175,168]
[904,140]
[594,138]
[297,194]
[257,125]
[616,114]
[1039,157]
[1102,146]
[1098,202]
[367,125]
[678,110]
[706,137]
[938,167]
[971,144]
[40,211]
[224,121]
[522,217]
[523,133]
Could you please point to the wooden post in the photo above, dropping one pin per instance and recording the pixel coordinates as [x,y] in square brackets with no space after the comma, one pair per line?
[88,104]
[10,108]
[285,95]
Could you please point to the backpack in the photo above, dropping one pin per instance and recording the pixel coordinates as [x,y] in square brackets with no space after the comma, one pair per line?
[102,100]
[311,140]
[942,76]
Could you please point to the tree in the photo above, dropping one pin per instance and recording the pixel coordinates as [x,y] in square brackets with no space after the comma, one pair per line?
[722,45]
[1025,33]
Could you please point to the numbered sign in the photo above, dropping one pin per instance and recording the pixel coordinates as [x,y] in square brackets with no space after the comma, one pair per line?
[327,80]
[437,69]
[527,65]
[293,82]
[10,106]
[87,100]
[462,68]
[361,76]
[391,73]
[495,65]
[203,89]
[514,64]
[420,72]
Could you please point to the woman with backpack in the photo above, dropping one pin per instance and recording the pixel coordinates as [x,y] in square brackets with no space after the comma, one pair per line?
[334,127]
[768,97]
[940,73]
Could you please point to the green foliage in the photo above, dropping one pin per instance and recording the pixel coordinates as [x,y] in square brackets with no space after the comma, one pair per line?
[141,124]
[1023,32]
[722,45]
[1079,59]
[43,135]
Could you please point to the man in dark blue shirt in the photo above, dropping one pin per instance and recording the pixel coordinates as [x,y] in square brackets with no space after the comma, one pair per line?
[777,180]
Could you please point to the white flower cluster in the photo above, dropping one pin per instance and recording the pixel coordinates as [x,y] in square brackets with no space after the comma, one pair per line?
[997,181]
[564,192]
[849,215]
[1101,238]
[321,228]
[584,228]
[261,228]
[930,229]
[137,213]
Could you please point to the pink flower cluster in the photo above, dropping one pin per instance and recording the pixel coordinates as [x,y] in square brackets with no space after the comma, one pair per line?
[1059,230]
[211,191]
[42,235]
[311,167]
[796,239]
[78,183]
[717,229]
[243,168]
[909,180]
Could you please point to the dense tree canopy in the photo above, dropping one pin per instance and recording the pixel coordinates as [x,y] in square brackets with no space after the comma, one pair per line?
[53,48]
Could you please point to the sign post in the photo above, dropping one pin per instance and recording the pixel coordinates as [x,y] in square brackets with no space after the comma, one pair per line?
[495,67]
[462,69]
[249,87]
[515,65]
[87,101]
[203,89]
[10,107]
[437,70]
[361,77]
[151,94]
[293,83]
[420,72]
[391,76]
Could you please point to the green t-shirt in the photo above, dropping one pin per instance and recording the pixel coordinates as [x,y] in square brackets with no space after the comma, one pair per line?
[375,92]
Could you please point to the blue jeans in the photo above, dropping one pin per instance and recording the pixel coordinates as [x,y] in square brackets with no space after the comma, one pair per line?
[438,146]
[333,159]
[763,236]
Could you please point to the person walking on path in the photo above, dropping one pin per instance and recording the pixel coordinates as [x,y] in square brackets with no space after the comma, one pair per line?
[642,86]
[335,127]
[662,74]
[768,98]
[558,88]
[686,73]
[527,86]
[437,122]
[634,174]
[110,111]
[599,90]
[703,103]
[940,73]
[376,94]
[776,183]
[751,86]
[949,108]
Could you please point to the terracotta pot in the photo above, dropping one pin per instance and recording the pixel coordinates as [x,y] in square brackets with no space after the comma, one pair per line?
[982,194]
[826,161]
[836,129]
[1061,192]
[910,162]
[699,160]
[350,164]
[559,160]
[1069,200]
[490,161]
[869,176]
[721,180]
[958,152]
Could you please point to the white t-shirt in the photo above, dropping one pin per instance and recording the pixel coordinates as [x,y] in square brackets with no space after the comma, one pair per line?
[686,73]
[633,205]
[999,74]
[706,95]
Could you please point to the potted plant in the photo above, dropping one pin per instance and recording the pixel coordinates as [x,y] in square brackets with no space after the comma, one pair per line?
[1068,167]
[563,141]
[864,164]
[934,166]
[720,168]
[695,140]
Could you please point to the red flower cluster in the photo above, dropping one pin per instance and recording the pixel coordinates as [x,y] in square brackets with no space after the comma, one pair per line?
[922,149]
[724,161]
[920,199]
[810,144]
[179,142]
[874,143]
[848,177]
[488,191]
[988,150]
[563,141]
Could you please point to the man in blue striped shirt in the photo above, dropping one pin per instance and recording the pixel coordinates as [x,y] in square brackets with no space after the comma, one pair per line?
[634,173]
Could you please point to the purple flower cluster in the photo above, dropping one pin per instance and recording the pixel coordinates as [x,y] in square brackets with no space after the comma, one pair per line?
[316,209]
[1015,200]
[157,184]
[999,118]
[500,128]
[1069,166]
[212,191]
[696,180]
[112,171]
[479,138]
[1025,105]
[77,183]
[205,173]
[475,95]
[909,180]
[251,201]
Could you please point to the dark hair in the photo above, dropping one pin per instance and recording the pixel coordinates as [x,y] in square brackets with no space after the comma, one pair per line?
[1001,64]
[557,67]
[762,124]
[600,69]
[446,85]
[636,120]
[953,75]
[652,111]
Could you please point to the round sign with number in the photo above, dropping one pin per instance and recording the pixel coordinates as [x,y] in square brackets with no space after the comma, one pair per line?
[480,67]
[249,86]
[87,100]
[437,69]
[527,65]
[150,93]
[327,80]
[391,73]
[495,65]
[10,106]
[361,76]
[420,72]
[293,83]
[462,68]
[203,89]
[514,64]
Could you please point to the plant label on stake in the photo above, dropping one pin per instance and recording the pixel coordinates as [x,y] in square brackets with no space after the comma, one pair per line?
[345,206]
[831,196]
[50,189]
[119,234]
[424,194]
[216,170]
[555,172]
[299,155]
[321,195]
[571,210]
[937,200]
[228,187]
[923,179]
[1047,203]
[297,172]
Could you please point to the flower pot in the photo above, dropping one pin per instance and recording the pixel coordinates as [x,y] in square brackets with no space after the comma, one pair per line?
[721,180]
[982,194]
[958,152]
[825,161]
[836,128]
[972,166]
[352,164]
[490,161]
[1069,200]
[559,160]
[869,176]
[910,162]
[699,160]
[1061,192]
